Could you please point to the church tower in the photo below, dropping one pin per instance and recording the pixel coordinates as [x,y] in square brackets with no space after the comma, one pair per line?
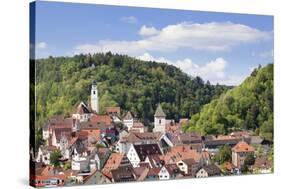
[94,97]
[159,120]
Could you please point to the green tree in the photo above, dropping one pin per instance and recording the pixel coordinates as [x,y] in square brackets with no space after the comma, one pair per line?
[54,158]
[242,107]
[249,160]
[223,155]
[38,138]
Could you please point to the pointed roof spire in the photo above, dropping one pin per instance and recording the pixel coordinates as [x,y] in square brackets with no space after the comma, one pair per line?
[159,112]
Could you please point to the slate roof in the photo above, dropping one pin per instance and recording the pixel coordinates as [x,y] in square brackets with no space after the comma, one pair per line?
[159,112]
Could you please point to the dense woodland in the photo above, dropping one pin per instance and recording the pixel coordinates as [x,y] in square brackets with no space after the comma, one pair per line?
[132,84]
[138,86]
[247,107]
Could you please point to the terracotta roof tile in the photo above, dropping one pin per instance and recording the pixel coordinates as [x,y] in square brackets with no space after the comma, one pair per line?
[153,171]
[106,119]
[243,147]
[112,163]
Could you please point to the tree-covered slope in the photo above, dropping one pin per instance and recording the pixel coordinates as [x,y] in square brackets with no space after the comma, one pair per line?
[248,106]
[135,85]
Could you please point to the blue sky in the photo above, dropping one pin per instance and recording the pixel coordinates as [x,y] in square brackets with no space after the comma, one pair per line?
[219,47]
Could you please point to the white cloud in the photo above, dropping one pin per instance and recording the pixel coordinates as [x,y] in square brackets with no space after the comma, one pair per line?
[213,36]
[129,19]
[148,31]
[148,57]
[214,70]
[41,45]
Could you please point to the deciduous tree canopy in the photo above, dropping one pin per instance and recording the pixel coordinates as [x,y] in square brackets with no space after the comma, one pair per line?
[132,84]
[248,106]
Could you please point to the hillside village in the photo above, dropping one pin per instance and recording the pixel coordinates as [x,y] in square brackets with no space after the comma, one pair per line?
[93,148]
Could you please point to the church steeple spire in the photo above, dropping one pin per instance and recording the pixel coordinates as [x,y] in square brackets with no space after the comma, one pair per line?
[159,120]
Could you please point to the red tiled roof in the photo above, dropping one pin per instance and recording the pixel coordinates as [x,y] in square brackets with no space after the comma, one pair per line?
[138,137]
[95,119]
[189,161]
[96,133]
[153,171]
[59,122]
[113,162]
[82,134]
[243,147]
[173,157]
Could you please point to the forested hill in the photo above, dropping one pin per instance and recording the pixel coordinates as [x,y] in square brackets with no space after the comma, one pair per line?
[248,106]
[135,85]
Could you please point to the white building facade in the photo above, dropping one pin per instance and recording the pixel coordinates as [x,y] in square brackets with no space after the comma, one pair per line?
[94,97]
